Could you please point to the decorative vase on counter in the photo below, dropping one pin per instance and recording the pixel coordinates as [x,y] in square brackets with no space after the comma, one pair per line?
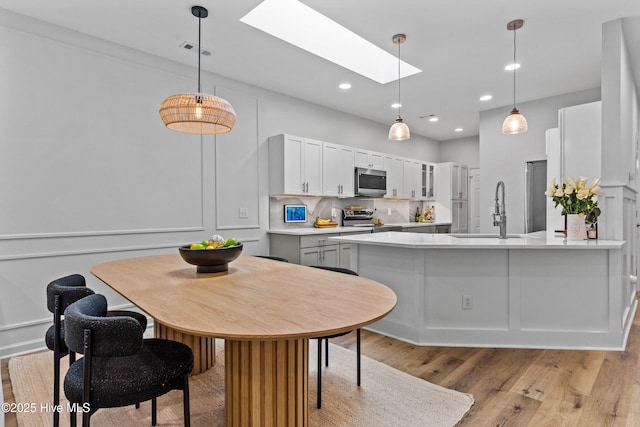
[576,229]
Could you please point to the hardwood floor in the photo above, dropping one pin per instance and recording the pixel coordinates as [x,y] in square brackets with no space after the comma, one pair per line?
[512,387]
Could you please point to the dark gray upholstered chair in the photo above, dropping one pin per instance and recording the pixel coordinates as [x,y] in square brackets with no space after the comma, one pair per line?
[119,367]
[61,293]
[326,339]
[275,258]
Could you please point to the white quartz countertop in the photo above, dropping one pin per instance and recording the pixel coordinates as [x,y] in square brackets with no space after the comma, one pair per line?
[419,224]
[540,240]
[306,231]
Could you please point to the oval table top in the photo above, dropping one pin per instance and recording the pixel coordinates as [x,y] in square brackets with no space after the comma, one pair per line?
[256,299]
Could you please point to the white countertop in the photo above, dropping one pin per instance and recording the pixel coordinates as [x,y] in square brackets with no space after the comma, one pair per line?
[419,224]
[540,240]
[306,231]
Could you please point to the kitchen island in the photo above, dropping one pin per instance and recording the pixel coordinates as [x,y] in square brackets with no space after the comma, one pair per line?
[530,291]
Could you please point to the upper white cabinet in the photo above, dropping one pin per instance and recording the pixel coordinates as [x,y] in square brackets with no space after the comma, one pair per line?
[428,181]
[412,179]
[295,165]
[308,167]
[337,170]
[394,165]
[463,182]
[369,159]
[451,181]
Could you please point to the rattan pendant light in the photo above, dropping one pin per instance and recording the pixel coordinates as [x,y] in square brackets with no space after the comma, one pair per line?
[515,122]
[199,112]
[399,130]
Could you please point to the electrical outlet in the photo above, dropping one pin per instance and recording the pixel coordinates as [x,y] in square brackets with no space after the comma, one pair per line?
[243,213]
[467,302]
[388,211]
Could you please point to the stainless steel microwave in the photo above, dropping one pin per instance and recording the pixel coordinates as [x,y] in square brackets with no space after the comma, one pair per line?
[370,182]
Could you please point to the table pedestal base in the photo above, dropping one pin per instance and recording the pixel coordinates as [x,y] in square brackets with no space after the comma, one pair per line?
[204,348]
[266,383]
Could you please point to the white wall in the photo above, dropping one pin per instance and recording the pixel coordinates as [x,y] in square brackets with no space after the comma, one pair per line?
[465,151]
[503,157]
[90,174]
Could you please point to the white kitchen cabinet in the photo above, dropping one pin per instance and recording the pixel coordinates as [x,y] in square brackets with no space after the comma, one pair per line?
[327,256]
[369,159]
[312,249]
[463,182]
[428,178]
[412,179]
[451,181]
[459,216]
[451,202]
[394,165]
[459,177]
[295,165]
[345,255]
[337,170]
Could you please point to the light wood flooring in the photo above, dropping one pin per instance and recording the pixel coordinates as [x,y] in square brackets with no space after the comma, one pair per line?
[512,387]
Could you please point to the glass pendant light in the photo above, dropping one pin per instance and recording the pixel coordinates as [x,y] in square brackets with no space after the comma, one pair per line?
[198,113]
[515,122]
[399,130]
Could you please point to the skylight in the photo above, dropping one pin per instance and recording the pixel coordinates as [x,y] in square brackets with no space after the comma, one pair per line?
[302,26]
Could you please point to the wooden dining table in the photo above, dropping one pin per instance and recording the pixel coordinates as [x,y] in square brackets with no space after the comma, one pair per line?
[265,310]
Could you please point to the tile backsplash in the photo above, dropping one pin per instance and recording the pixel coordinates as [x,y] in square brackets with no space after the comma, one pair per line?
[390,211]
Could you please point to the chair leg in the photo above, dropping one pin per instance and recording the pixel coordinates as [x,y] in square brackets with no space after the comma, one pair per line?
[86,419]
[358,352]
[56,387]
[187,413]
[73,417]
[154,404]
[326,352]
[319,375]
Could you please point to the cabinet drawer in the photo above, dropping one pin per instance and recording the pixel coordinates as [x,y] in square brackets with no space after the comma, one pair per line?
[317,240]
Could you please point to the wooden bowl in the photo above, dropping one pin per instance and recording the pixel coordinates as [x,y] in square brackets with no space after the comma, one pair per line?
[210,260]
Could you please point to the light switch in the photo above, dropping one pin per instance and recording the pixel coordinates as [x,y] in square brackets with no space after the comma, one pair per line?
[243,212]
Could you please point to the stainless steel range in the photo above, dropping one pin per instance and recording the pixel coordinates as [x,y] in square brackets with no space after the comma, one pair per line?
[364,218]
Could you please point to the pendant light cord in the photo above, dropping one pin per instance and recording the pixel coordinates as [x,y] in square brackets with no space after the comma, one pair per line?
[399,103]
[199,49]
[515,30]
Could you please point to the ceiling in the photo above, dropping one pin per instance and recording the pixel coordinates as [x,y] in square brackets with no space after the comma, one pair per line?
[462,48]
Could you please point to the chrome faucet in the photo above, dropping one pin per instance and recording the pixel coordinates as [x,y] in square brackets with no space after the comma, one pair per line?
[499,215]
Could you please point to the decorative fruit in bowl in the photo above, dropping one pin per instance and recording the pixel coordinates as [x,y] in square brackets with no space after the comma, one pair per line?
[212,255]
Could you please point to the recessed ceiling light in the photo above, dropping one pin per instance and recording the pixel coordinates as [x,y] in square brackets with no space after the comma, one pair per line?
[458,130]
[396,105]
[304,27]
[486,97]
[345,86]
[433,118]
[512,67]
